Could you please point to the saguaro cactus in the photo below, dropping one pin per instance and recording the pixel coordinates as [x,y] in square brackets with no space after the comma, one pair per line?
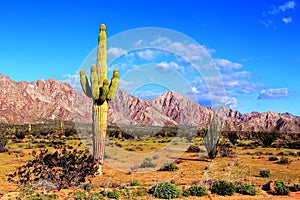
[101,91]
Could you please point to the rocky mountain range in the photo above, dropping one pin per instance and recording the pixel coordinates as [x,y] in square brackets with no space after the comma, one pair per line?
[43,100]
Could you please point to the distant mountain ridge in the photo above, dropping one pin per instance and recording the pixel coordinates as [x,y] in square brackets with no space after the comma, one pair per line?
[37,102]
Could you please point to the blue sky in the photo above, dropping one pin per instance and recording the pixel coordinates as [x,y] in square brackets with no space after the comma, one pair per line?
[254,44]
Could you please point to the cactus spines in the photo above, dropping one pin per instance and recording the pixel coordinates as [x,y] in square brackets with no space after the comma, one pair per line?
[101,91]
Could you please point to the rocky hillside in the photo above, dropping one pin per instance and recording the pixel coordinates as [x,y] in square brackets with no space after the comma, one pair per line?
[36,102]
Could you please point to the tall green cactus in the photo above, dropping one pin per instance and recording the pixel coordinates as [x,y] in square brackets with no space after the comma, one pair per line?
[101,91]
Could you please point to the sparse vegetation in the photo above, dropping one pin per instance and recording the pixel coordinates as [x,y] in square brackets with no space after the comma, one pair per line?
[245,152]
[134,182]
[265,173]
[147,163]
[273,158]
[193,148]
[3,142]
[169,167]
[284,160]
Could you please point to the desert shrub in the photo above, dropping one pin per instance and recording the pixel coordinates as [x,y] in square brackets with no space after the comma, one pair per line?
[94,196]
[169,167]
[223,188]
[247,189]
[80,195]
[115,194]
[164,190]
[233,137]
[295,187]
[62,168]
[265,173]
[226,150]
[197,190]
[134,182]
[20,135]
[267,138]
[284,160]
[147,163]
[273,158]
[186,193]
[193,148]
[139,192]
[70,132]
[281,188]
[3,142]
[298,153]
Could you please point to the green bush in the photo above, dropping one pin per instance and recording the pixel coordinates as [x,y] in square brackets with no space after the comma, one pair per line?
[223,188]
[281,188]
[295,187]
[164,190]
[193,148]
[147,163]
[169,167]
[265,173]
[70,132]
[284,160]
[267,138]
[134,182]
[197,190]
[115,194]
[247,189]
[20,135]
[3,142]
[233,137]
[94,196]
[273,158]
[186,193]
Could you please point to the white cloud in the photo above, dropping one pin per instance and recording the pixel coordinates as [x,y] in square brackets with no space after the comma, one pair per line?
[167,67]
[115,52]
[273,93]
[231,102]
[138,43]
[227,65]
[270,18]
[290,5]
[195,90]
[73,80]
[125,85]
[189,51]
[146,54]
[287,20]
[147,94]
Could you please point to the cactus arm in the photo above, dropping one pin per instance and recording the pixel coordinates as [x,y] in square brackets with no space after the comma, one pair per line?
[113,87]
[104,91]
[85,84]
[95,83]
[102,55]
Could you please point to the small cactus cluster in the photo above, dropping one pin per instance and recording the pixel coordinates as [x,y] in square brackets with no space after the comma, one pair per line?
[102,91]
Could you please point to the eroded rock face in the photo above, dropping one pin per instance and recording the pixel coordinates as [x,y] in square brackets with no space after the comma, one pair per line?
[37,102]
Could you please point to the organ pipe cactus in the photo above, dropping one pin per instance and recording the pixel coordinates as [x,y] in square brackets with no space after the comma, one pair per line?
[101,91]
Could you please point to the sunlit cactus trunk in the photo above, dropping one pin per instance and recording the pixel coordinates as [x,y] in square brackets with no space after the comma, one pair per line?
[101,91]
